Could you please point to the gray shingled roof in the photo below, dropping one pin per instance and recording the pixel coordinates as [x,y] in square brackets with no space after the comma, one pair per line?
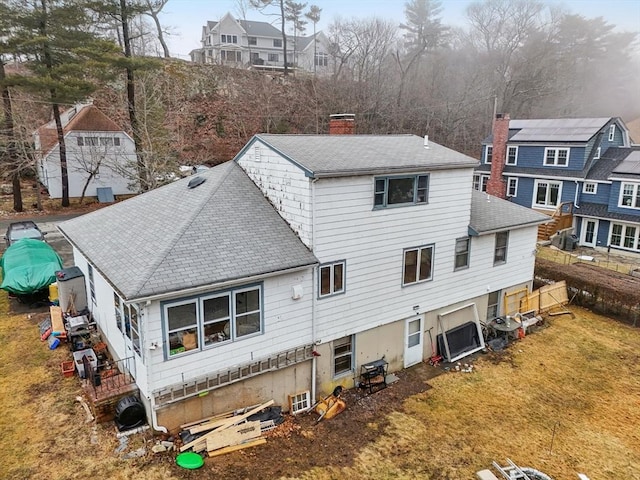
[598,210]
[610,160]
[176,238]
[260,29]
[344,155]
[490,214]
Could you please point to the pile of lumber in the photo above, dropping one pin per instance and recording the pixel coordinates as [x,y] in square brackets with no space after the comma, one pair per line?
[226,432]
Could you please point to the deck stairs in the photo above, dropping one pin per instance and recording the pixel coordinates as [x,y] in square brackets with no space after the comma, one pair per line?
[561,219]
[511,471]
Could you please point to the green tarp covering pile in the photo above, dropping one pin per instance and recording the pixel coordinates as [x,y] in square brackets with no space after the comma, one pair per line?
[29,266]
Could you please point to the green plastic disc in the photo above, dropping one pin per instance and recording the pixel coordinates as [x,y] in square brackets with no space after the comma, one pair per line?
[189,460]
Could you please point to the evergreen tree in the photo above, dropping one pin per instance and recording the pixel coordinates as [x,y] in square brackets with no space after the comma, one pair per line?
[67,61]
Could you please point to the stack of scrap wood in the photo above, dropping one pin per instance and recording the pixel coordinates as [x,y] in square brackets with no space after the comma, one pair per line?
[226,432]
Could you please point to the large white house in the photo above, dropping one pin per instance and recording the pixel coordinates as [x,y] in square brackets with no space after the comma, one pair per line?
[279,274]
[99,154]
[243,43]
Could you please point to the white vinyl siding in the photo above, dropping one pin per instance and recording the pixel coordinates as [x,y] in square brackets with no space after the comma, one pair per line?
[373,243]
[284,184]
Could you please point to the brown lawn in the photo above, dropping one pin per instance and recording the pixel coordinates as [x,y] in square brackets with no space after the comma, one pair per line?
[579,377]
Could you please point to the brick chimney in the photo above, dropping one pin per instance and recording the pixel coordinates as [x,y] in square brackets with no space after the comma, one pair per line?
[342,124]
[497,185]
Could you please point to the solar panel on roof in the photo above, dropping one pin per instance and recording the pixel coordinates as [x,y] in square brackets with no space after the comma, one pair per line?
[631,164]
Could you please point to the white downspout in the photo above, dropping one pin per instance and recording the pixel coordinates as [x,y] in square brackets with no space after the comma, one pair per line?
[313,293]
[575,196]
[144,310]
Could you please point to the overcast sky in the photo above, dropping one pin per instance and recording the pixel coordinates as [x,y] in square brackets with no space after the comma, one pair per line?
[185,18]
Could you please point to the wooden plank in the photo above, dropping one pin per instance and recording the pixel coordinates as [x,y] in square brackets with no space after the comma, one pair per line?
[229,421]
[220,422]
[57,325]
[234,435]
[253,443]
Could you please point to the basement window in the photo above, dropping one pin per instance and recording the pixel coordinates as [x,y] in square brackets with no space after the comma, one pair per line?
[300,402]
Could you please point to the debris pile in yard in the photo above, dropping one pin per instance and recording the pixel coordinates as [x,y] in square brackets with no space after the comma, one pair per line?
[231,431]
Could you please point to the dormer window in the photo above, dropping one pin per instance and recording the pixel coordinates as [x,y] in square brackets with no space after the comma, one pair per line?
[612,132]
[556,156]
[400,190]
[596,156]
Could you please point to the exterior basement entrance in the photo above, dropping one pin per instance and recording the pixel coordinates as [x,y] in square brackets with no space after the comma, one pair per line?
[459,333]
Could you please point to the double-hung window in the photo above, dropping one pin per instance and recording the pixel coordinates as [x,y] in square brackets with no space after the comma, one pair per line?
[512,155]
[277,42]
[547,193]
[625,236]
[630,195]
[462,253]
[480,182]
[488,154]
[500,251]
[512,187]
[332,278]
[556,156]
[590,187]
[343,356]
[612,133]
[197,323]
[417,265]
[229,38]
[253,41]
[401,190]
[273,57]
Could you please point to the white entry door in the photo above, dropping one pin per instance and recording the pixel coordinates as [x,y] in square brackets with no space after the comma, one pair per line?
[413,346]
[589,232]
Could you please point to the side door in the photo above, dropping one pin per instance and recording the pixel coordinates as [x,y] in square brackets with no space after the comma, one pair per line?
[413,341]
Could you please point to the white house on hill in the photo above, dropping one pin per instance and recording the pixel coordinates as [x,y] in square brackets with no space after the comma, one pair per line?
[278,275]
[99,154]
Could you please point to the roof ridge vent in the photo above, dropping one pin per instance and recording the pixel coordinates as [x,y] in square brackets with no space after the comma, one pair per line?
[196,181]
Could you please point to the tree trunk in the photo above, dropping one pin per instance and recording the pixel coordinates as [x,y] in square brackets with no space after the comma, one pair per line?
[12,157]
[64,173]
[284,38]
[131,99]
[156,20]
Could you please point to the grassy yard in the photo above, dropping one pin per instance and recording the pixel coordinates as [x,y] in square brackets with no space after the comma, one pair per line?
[579,377]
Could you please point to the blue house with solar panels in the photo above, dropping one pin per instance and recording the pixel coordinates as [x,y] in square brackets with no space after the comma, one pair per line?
[583,172]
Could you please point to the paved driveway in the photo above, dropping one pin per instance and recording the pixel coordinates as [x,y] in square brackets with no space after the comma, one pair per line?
[53,237]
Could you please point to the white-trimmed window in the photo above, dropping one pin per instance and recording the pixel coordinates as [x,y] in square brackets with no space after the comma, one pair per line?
[343,356]
[332,277]
[488,156]
[556,156]
[253,41]
[590,188]
[512,155]
[273,57]
[300,402]
[612,133]
[462,253]
[596,156]
[512,187]
[500,250]
[625,236]
[397,190]
[229,38]
[197,323]
[417,265]
[133,327]
[277,42]
[547,193]
[629,195]
[480,182]
[321,59]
